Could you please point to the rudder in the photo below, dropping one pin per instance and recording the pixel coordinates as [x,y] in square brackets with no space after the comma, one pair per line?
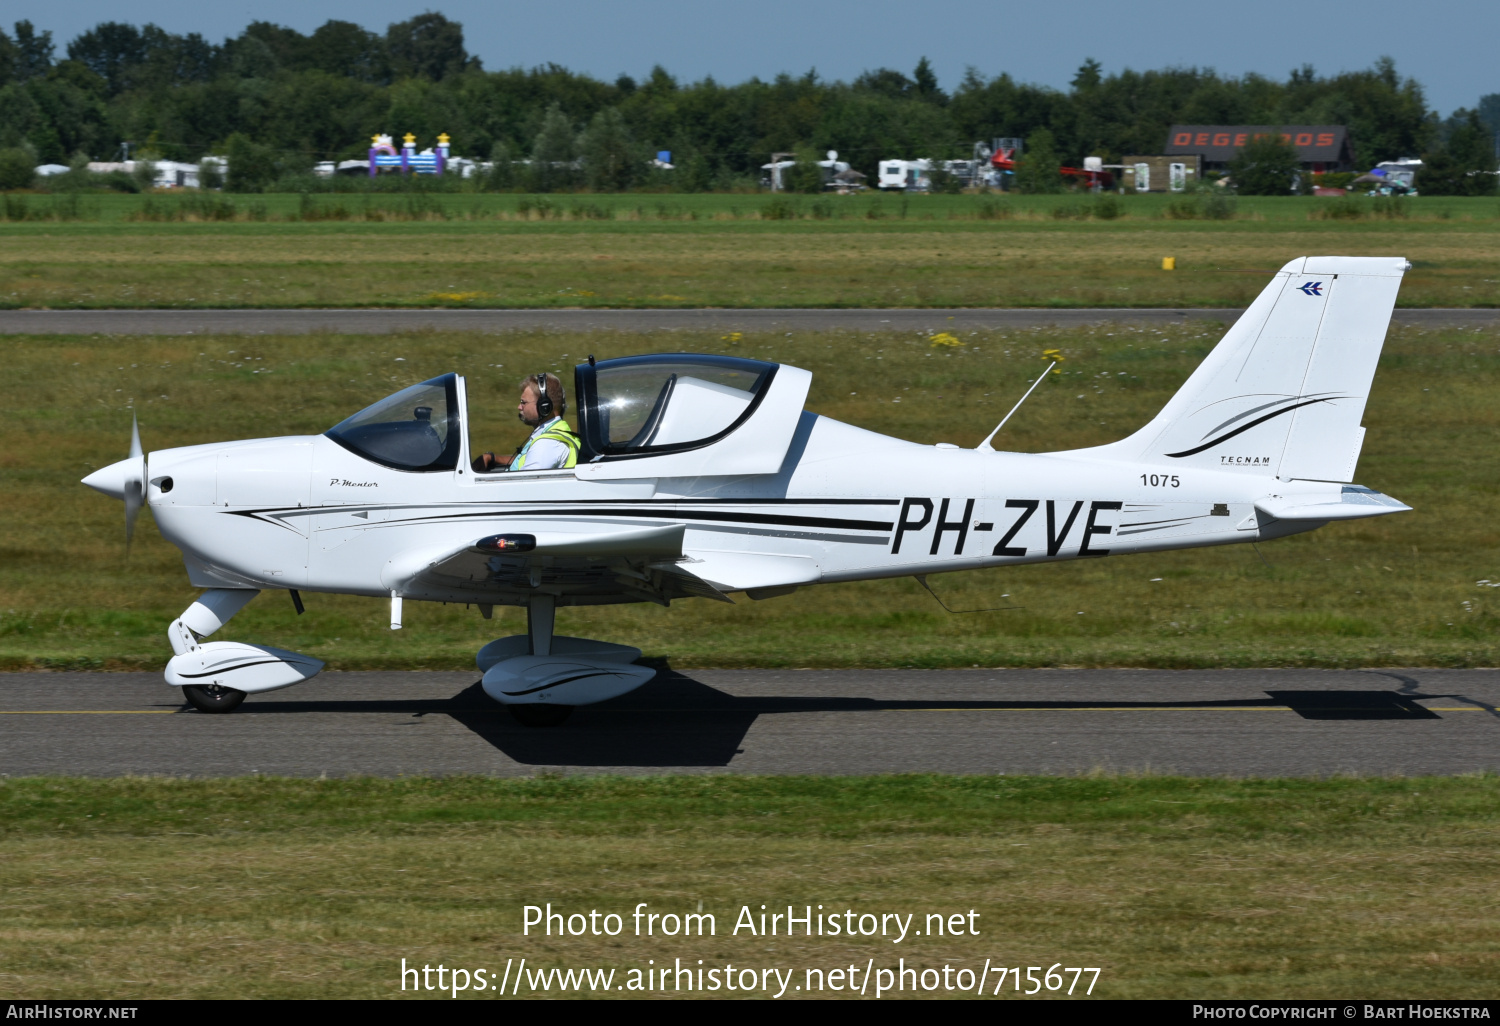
[1284,391]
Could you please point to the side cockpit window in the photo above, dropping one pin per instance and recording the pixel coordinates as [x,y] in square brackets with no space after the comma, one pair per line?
[415,429]
[644,405]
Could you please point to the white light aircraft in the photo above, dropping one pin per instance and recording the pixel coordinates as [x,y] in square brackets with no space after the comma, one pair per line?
[704,477]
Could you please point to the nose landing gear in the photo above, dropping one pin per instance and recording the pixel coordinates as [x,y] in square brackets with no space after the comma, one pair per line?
[212,698]
[205,670]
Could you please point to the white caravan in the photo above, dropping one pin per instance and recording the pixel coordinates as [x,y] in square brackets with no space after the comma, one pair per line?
[705,477]
[904,174]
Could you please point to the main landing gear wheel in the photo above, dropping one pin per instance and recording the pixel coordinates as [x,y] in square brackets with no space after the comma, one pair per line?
[212,698]
[540,715]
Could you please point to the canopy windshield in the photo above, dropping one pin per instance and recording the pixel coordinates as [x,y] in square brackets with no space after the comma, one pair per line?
[415,429]
[643,405]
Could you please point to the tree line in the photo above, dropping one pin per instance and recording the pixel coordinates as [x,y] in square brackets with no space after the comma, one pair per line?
[284,99]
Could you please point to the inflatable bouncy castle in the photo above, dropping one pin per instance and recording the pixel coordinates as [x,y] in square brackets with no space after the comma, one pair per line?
[383,153]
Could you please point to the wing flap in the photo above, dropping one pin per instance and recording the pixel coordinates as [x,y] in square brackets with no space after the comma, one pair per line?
[589,563]
[742,571]
[680,582]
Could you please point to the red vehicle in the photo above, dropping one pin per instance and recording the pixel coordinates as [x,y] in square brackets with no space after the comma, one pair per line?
[1090,179]
[1005,160]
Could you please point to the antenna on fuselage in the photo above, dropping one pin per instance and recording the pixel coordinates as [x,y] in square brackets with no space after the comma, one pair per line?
[922,580]
[1043,377]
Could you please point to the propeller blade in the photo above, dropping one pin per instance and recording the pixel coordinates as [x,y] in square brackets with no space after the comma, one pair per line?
[135,482]
[134,499]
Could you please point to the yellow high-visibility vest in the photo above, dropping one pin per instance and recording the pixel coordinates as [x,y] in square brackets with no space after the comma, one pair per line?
[558,431]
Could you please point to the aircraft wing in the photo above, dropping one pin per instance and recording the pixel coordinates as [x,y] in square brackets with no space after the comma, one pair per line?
[579,563]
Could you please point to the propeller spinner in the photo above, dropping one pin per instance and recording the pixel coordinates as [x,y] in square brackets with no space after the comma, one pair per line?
[125,480]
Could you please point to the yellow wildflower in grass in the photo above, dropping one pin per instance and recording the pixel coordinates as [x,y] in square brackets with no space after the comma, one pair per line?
[944,339]
[455,297]
[733,336]
[1056,356]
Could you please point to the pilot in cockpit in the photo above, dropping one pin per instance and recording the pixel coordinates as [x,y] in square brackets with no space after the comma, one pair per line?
[552,445]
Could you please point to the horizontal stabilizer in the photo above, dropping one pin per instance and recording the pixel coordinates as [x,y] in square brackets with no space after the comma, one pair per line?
[1354,503]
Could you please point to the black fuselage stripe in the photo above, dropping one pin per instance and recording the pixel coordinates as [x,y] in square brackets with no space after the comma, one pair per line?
[353,507]
[679,514]
[655,514]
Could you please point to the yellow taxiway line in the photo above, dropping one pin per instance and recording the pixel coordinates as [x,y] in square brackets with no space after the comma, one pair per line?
[87,712]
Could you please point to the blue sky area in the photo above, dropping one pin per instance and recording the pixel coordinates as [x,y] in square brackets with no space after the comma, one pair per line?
[1447,45]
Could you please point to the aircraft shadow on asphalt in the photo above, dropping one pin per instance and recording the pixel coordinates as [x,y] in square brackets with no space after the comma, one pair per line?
[678,721]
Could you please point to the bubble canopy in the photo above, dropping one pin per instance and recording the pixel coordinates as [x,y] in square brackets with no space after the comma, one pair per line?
[648,405]
[415,429]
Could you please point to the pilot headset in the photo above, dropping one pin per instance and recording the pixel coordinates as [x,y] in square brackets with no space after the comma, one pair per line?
[543,400]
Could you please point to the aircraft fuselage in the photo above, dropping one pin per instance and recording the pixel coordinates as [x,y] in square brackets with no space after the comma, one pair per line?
[850,504]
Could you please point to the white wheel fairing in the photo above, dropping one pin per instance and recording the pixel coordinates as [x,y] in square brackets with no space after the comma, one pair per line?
[562,645]
[561,680]
[244,667]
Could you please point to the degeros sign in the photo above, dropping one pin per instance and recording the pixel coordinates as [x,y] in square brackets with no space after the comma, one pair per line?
[1221,142]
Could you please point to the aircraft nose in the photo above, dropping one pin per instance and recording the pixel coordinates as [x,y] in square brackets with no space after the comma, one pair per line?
[113,479]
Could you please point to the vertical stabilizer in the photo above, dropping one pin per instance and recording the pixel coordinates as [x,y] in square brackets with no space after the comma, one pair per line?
[1284,391]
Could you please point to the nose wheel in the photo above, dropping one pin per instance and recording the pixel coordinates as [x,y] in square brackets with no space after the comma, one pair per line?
[212,698]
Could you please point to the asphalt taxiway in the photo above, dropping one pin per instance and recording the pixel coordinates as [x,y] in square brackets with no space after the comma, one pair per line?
[1260,723]
[386,321]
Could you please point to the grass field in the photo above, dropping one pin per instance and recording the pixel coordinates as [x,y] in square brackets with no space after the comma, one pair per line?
[1178,888]
[787,210]
[718,251]
[1400,590]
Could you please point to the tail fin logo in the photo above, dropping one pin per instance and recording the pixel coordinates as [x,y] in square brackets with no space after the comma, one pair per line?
[1312,288]
[1287,405]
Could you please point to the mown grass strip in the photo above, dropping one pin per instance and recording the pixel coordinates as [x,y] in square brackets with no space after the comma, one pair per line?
[944,257]
[833,806]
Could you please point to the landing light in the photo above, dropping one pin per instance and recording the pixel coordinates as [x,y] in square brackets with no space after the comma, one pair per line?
[508,542]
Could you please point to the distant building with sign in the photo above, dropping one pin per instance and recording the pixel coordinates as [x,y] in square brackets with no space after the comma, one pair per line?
[1321,147]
